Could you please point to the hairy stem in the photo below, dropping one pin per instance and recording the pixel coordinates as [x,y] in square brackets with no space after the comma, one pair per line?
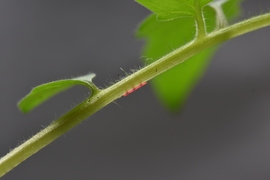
[200,23]
[106,96]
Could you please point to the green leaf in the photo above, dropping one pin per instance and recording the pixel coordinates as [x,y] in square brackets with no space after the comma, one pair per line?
[174,86]
[172,9]
[43,92]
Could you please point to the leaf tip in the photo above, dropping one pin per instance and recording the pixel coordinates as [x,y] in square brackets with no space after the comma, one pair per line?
[22,106]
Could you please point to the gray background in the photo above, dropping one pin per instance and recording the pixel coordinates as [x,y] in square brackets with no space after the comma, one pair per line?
[223,131]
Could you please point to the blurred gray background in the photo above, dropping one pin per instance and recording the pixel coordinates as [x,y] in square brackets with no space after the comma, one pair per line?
[222,133]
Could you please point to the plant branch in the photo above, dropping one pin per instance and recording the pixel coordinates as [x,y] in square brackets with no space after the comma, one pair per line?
[200,23]
[106,96]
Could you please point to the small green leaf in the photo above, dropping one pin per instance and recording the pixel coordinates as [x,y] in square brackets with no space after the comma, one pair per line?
[43,92]
[174,86]
[172,9]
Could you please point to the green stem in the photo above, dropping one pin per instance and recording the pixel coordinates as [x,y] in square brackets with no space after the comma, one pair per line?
[200,23]
[106,96]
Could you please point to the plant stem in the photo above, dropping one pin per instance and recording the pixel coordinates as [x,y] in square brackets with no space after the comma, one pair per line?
[106,96]
[200,23]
